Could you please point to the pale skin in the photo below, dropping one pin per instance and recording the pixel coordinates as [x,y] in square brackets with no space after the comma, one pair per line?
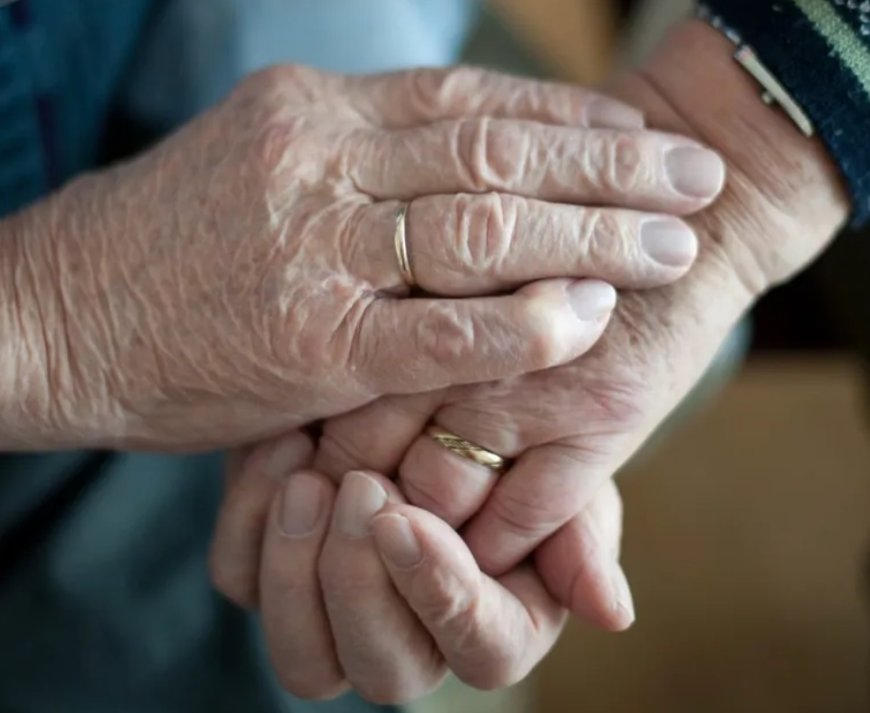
[240,280]
[568,429]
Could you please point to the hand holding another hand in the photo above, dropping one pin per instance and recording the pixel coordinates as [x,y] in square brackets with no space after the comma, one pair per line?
[241,279]
[570,428]
[357,589]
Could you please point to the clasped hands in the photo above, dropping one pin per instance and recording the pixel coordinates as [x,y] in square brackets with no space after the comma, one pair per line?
[379,559]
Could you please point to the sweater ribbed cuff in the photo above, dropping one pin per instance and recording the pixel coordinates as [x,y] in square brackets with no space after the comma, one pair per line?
[820,52]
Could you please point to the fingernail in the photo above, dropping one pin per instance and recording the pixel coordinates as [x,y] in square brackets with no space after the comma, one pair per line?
[669,242]
[360,499]
[695,172]
[302,506]
[609,114]
[623,601]
[592,300]
[397,542]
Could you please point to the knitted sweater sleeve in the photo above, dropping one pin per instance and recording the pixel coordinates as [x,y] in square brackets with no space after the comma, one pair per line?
[820,51]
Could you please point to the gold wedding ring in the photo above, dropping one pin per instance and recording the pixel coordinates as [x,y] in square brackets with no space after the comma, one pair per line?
[467,449]
[401,242]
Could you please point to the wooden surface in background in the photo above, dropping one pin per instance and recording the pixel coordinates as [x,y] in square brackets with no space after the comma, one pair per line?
[574,39]
[747,536]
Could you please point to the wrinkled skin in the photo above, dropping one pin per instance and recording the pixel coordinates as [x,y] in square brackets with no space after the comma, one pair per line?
[241,280]
[572,427]
[344,607]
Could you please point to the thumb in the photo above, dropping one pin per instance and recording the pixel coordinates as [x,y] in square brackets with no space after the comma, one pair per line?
[491,633]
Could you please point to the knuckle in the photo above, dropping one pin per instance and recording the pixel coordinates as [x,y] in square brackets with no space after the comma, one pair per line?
[264,82]
[493,153]
[337,455]
[369,333]
[545,349]
[625,163]
[615,162]
[445,336]
[484,229]
[606,238]
[277,141]
[434,92]
[277,91]
[314,340]
[457,80]
[450,601]
[543,344]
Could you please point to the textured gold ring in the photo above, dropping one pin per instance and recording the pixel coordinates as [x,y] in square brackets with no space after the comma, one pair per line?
[401,242]
[467,449]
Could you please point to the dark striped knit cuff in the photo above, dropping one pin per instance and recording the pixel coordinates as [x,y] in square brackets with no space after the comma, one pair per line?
[820,52]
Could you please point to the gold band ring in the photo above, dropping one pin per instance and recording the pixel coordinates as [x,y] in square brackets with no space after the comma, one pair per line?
[401,242]
[467,449]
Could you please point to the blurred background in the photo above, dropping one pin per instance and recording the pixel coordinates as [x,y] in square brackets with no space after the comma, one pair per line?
[748,521]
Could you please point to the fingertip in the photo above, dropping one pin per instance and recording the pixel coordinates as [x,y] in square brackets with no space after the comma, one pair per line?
[365,475]
[695,172]
[361,496]
[562,319]
[669,242]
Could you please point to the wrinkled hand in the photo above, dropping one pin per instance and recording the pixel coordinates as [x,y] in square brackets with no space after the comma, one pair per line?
[569,429]
[240,279]
[357,589]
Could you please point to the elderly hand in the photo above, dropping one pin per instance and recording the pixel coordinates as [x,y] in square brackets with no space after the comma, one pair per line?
[241,279]
[357,589]
[571,428]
